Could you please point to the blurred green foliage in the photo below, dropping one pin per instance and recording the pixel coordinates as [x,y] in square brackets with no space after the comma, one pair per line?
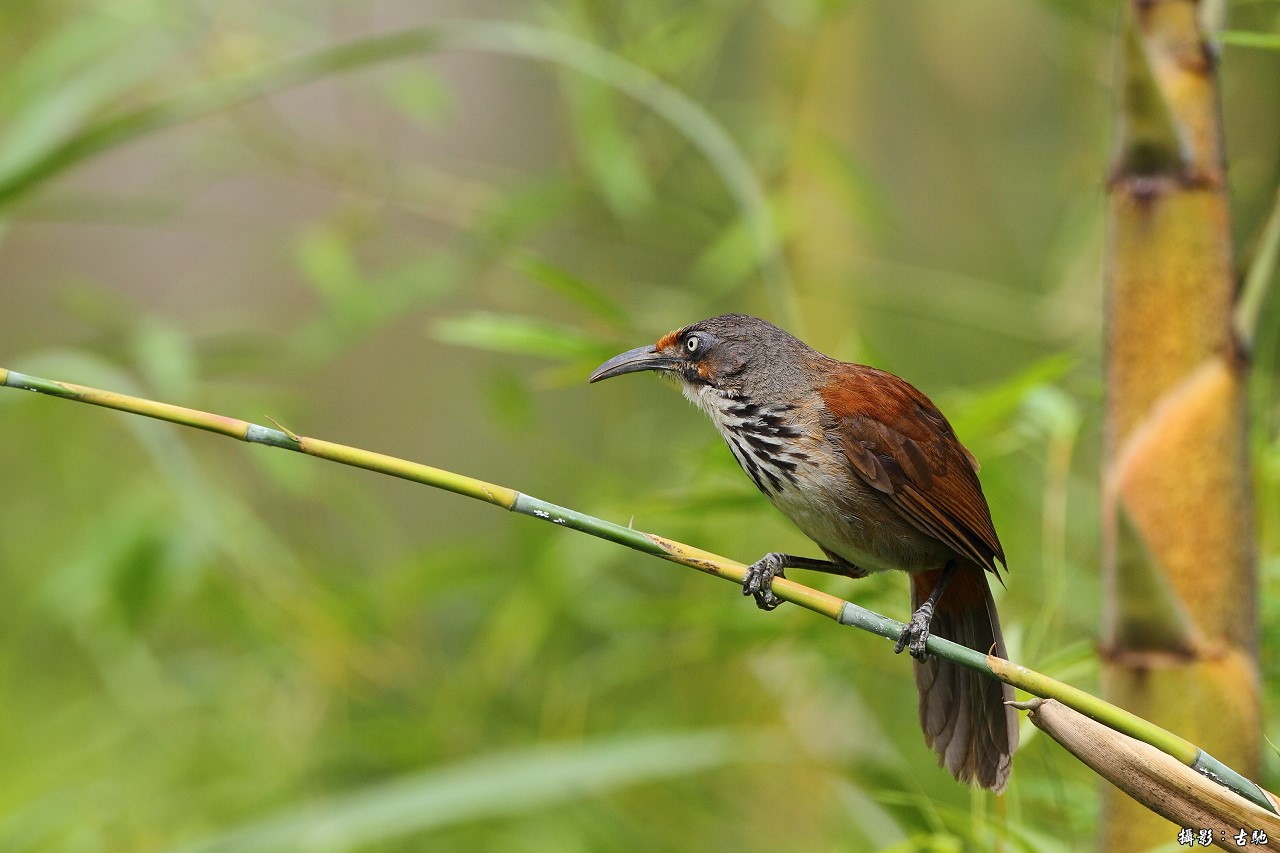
[209,646]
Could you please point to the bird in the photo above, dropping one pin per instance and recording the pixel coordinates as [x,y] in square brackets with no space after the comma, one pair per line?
[870,470]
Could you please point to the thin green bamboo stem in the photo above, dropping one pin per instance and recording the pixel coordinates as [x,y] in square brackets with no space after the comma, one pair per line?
[1099,709]
[843,612]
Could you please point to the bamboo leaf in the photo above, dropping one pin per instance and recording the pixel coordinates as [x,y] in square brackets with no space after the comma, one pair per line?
[729,259]
[473,790]
[517,335]
[1260,277]
[1242,38]
[684,114]
[573,287]
[420,95]
[323,255]
[68,77]
[608,151]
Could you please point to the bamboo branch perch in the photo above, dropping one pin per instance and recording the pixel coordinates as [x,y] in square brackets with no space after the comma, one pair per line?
[837,609]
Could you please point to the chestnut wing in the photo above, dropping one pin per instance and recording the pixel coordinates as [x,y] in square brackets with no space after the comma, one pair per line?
[898,443]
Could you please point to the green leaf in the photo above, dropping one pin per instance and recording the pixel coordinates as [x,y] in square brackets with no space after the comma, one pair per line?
[728,259]
[732,257]
[324,257]
[92,563]
[420,95]
[689,118]
[517,335]
[573,287]
[608,150]
[70,75]
[1242,38]
[1052,410]
[510,400]
[484,787]
[164,353]
[979,413]
[1260,276]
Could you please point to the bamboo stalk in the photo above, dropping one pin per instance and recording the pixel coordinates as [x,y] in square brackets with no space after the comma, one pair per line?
[1167,788]
[837,609]
[1179,638]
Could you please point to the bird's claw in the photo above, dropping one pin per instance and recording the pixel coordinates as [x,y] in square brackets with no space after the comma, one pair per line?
[758,581]
[915,634]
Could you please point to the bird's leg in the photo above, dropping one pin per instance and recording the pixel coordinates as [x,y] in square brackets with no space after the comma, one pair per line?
[760,575]
[916,632]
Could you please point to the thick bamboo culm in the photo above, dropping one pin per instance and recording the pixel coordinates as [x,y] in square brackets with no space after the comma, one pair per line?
[1179,620]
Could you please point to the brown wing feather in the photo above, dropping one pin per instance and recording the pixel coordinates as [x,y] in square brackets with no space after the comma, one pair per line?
[898,443]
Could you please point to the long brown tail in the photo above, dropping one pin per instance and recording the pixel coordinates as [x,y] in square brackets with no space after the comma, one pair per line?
[963,714]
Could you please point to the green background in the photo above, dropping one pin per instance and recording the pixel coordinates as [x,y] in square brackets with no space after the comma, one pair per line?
[209,646]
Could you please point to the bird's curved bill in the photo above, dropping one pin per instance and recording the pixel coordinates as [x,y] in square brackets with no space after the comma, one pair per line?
[633,361]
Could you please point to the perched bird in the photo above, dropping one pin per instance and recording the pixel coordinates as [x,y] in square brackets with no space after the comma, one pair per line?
[869,469]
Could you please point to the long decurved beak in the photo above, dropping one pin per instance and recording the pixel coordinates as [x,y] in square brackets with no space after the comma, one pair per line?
[633,361]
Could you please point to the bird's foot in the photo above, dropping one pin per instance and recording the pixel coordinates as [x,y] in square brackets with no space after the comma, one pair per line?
[759,580]
[916,633]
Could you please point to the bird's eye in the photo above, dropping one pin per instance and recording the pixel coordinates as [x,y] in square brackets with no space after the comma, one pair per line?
[694,343]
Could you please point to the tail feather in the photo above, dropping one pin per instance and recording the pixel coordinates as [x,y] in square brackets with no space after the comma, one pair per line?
[963,714]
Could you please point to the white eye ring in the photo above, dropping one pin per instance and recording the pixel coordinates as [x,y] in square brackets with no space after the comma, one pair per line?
[693,343]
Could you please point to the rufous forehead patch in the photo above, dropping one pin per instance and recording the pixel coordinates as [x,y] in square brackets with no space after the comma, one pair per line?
[668,339]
